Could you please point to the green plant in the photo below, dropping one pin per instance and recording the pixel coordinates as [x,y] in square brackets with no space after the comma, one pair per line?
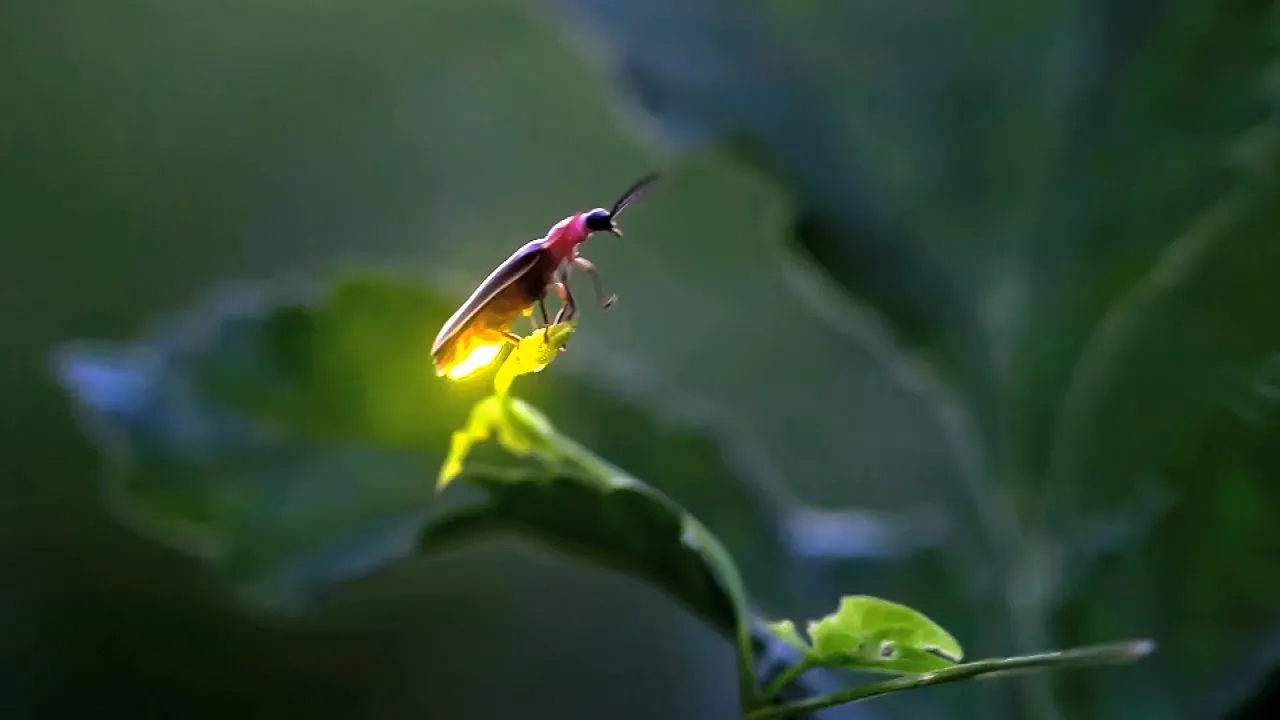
[327,398]
[581,503]
[1060,221]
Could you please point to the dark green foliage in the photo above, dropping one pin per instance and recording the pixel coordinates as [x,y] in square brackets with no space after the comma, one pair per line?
[235,430]
[626,527]
[1068,213]
[1063,214]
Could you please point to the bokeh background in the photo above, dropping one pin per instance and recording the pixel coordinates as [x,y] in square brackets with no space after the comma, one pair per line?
[971,306]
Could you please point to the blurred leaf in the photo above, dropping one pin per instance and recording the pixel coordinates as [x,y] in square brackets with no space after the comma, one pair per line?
[1000,199]
[615,521]
[786,631]
[622,522]
[237,433]
[289,435]
[288,438]
[867,633]
[1176,394]
[1183,344]
[757,77]
[690,461]
[600,513]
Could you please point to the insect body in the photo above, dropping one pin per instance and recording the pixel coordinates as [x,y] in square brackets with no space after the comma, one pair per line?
[474,335]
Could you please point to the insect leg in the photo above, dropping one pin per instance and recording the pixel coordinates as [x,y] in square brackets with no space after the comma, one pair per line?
[542,308]
[585,265]
[546,320]
[567,307]
[566,297]
[562,315]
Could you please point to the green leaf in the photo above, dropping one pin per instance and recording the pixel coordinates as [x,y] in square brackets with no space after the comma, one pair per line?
[616,521]
[520,429]
[867,633]
[533,354]
[1173,393]
[873,634]
[284,436]
[1062,213]
[1186,343]
[288,435]
[786,631]
[619,513]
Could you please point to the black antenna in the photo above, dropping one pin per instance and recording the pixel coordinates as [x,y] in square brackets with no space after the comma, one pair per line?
[632,192]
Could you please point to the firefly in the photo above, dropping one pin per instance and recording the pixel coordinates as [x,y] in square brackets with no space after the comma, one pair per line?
[474,335]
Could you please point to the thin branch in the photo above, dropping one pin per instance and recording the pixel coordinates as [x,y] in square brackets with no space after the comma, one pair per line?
[1122,652]
[785,678]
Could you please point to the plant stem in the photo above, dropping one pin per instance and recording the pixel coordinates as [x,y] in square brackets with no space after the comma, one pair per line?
[587,461]
[1122,652]
[785,678]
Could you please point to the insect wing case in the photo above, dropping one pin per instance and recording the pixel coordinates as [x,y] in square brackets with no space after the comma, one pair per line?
[483,320]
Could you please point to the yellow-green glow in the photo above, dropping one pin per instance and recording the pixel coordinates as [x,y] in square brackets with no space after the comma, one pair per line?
[479,357]
[480,425]
[520,429]
[532,354]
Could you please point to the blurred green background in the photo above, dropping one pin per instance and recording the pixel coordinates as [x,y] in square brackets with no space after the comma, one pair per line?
[966,305]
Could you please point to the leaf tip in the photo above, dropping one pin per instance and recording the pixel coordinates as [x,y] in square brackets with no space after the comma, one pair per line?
[1138,649]
[102,379]
[785,630]
[451,469]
